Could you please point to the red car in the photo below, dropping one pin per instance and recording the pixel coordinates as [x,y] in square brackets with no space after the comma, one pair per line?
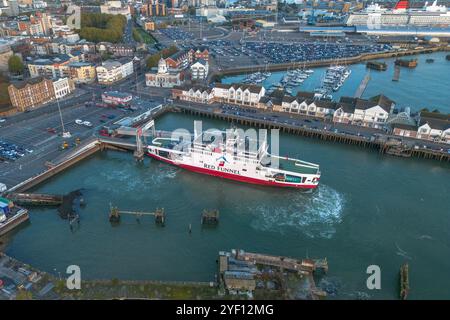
[51,130]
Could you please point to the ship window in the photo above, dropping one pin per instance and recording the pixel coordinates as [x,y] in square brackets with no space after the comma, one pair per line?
[244,169]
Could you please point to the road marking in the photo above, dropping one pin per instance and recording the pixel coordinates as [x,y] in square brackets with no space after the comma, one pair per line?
[45,141]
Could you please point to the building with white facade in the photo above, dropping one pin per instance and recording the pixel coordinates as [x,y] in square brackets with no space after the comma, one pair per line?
[116,7]
[63,87]
[199,70]
[163,77]
[112,71]
[117,98]
[236,93]
[434,126]
[56,66]
[240,94]
[369,113]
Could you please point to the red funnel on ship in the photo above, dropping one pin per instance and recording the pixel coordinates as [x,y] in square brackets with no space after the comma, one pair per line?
[402,4]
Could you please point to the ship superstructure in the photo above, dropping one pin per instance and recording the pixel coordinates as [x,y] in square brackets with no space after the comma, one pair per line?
[230,158]
[402,14]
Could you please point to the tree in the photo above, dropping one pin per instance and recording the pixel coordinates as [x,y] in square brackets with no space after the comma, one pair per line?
[5,103]
[152,61]
[98,27]
[191,10]
[136,35]
[15,65]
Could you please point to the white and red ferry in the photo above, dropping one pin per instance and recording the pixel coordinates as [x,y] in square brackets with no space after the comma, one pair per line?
[229,160]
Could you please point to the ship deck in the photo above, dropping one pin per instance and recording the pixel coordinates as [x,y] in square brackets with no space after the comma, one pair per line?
[289,165]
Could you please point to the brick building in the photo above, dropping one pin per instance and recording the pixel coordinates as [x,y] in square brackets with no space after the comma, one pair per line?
[31,94]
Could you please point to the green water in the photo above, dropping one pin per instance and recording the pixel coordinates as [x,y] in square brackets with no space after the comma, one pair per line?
[425,86]
[369,209]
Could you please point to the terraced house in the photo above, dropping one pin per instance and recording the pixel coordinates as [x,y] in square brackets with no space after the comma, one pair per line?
[373,112]
[240,94]
[199,94]
[434,126]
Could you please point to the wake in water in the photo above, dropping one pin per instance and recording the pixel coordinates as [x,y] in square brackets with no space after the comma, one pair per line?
[313,214]
[129,177]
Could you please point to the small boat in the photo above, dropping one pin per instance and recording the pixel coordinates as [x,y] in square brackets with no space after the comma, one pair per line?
[429,60]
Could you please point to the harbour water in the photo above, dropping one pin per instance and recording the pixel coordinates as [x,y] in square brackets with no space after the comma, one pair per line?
[369,209]
[423,87]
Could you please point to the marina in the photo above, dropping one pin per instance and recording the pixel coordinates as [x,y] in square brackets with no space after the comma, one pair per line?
[414,85]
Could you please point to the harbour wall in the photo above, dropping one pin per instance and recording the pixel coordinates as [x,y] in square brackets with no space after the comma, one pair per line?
[326,62]
[380,144]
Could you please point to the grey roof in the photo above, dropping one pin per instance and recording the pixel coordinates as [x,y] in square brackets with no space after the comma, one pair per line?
[405,126]
[251,87]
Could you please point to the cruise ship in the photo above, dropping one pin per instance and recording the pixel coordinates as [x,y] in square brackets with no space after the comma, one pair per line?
[230,159]
[402,14]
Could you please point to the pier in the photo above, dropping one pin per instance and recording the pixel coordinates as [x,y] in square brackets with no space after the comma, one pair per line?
[378,142]
[35,199]
[396,76]
[210,217]
[362,86]
[159,214]
[324,63]
[240,271]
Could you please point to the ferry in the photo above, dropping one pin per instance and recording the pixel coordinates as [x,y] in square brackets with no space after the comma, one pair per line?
[230,159]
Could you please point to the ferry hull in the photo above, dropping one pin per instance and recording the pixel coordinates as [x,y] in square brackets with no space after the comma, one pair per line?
[232,176]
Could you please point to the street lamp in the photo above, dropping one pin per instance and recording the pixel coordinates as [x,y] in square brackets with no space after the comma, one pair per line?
[64,133]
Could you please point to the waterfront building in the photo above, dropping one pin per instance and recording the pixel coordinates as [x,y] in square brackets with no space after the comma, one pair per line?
[63,87]
[434,126]
[405,130]
[117,98]
[368,113]
[199,70]
[163,77]
[31,93]
[112,71]
[196,93]
[82,72]
[236,93]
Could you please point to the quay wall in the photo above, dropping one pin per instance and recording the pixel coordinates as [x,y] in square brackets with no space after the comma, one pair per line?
[380,144]
[327,62]
[33,181]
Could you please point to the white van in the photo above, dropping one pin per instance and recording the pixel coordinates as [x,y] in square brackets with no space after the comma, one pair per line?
[3,187]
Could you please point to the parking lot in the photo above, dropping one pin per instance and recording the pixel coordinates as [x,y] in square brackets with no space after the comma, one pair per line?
[43,134]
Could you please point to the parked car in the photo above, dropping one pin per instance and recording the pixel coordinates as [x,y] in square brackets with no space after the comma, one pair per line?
[78,121]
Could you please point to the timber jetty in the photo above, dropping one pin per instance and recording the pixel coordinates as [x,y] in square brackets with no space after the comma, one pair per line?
[379,142]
